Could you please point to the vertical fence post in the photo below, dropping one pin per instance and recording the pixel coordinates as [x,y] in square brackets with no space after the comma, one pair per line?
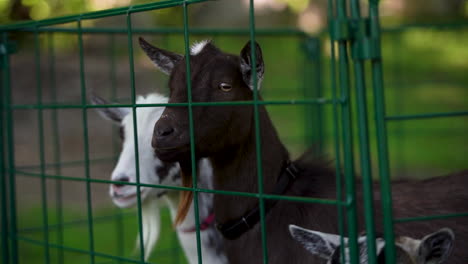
[10,154]
[84,119]
[336,138]
[40,129]
[3,194]
[363,128]
[119,225]
[180,257]
[192,129]
[135,130]
[347,134]
[258,142]
[57,160]
[318,94]
[399,103]
[312,87]
[381,129]
[3,181]
[308,67]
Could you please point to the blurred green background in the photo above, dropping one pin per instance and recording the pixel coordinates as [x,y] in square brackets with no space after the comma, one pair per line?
[425,71]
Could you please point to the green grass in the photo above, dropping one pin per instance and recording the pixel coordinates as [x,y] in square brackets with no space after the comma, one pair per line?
[115,234]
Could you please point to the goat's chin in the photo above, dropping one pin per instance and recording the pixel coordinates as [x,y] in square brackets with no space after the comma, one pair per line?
[174,154]
[127,203]
[129,200]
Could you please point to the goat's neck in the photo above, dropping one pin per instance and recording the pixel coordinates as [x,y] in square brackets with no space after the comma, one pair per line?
[172,199]
[236,169]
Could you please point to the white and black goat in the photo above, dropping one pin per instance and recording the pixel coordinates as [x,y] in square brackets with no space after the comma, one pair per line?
[434,248]
[153,171]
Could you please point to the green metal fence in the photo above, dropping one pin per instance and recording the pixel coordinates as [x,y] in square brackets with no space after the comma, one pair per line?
[330,99]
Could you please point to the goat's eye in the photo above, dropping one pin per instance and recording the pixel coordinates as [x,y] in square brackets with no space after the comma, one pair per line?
[225,87]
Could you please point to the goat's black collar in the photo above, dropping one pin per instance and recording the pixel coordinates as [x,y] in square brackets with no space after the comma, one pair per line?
[237,227]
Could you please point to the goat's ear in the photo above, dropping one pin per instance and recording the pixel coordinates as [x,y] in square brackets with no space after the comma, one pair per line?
[114,114]
[163,59]
[317,243]
[246,65]
[436,247]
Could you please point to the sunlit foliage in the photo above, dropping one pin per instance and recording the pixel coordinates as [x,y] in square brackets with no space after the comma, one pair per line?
[296,5]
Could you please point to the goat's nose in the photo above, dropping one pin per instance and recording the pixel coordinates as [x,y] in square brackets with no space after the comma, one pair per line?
[121,179]
[163,130]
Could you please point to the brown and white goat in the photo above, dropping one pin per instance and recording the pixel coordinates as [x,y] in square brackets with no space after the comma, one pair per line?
[226,135]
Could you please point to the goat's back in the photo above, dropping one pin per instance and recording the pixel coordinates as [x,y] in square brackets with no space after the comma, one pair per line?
[436,196]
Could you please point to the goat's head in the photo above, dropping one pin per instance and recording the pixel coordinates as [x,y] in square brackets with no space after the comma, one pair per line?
[215,77]
[152,170]
[432,249]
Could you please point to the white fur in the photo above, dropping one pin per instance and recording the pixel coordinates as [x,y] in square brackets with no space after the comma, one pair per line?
[153,198]
[409,245]
[126,166]
[151,226]
[197,47]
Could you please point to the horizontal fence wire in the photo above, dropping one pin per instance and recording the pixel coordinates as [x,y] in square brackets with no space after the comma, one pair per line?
[76,250]
[179,188]
[230,31]
[79,106]
[436,26]
[79,222]
[426,115]
[195,31]
[64,164]
[430,217]
[84,252]
[233,31]
[98,14]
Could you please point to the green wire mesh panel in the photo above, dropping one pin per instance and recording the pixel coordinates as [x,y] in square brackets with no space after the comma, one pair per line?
[57,154]
[427,109]
[428,105]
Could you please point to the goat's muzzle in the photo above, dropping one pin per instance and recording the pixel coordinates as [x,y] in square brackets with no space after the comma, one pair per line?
[163,134]
[169,145]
